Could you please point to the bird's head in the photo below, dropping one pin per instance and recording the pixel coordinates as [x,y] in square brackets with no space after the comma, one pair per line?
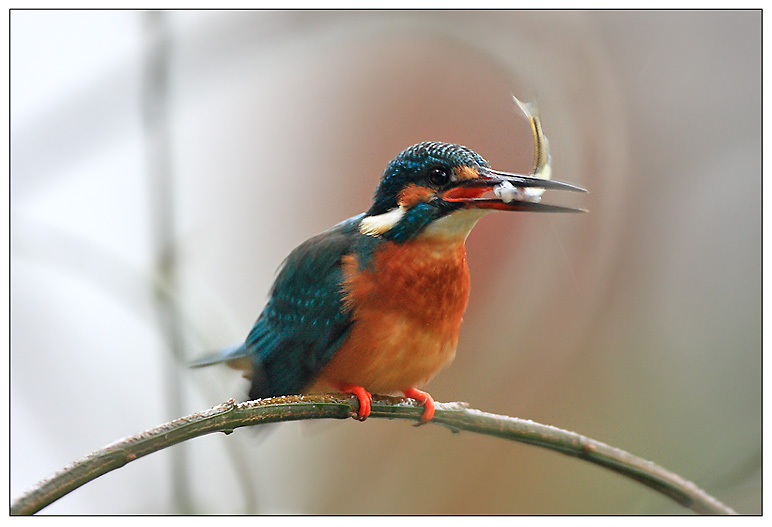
[439,189]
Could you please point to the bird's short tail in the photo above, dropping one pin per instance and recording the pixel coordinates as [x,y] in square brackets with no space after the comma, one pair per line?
[233,356]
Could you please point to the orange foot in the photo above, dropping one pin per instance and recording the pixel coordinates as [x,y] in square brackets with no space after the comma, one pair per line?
[363,396]
[425,399]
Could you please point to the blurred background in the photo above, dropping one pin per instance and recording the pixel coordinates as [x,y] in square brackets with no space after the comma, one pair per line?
[164,164]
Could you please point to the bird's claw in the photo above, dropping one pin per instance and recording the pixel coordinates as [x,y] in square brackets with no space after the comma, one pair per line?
[426,400]
[363,396]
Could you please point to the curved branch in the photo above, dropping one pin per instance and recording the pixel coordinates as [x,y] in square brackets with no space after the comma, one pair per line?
[456,416]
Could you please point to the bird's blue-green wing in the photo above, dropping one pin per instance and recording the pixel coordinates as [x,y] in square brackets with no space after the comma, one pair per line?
[305,320]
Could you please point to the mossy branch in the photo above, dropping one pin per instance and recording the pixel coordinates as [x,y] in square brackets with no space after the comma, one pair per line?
[456,416]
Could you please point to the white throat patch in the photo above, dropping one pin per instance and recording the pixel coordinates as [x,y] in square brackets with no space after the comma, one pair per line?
[456,226]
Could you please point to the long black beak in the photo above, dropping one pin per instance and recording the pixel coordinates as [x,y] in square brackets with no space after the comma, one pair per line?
[490,179]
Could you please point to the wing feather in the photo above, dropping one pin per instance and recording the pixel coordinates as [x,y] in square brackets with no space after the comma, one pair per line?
[305,320]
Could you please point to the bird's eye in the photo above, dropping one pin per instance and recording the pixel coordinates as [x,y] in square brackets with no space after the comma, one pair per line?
[439,176]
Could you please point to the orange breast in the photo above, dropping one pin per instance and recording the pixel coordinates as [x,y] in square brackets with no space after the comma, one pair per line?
[407,308]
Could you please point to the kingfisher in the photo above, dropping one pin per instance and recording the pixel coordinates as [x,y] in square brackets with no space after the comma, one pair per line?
[374,304]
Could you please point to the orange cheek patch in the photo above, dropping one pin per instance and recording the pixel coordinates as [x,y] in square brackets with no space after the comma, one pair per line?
[467,173]
[412,195]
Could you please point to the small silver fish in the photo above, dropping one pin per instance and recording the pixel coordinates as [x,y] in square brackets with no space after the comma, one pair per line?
[541,166]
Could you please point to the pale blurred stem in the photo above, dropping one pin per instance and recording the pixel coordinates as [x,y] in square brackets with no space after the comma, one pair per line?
[456,416]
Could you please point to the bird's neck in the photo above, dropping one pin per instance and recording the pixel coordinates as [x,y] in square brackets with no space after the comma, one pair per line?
[420,222]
